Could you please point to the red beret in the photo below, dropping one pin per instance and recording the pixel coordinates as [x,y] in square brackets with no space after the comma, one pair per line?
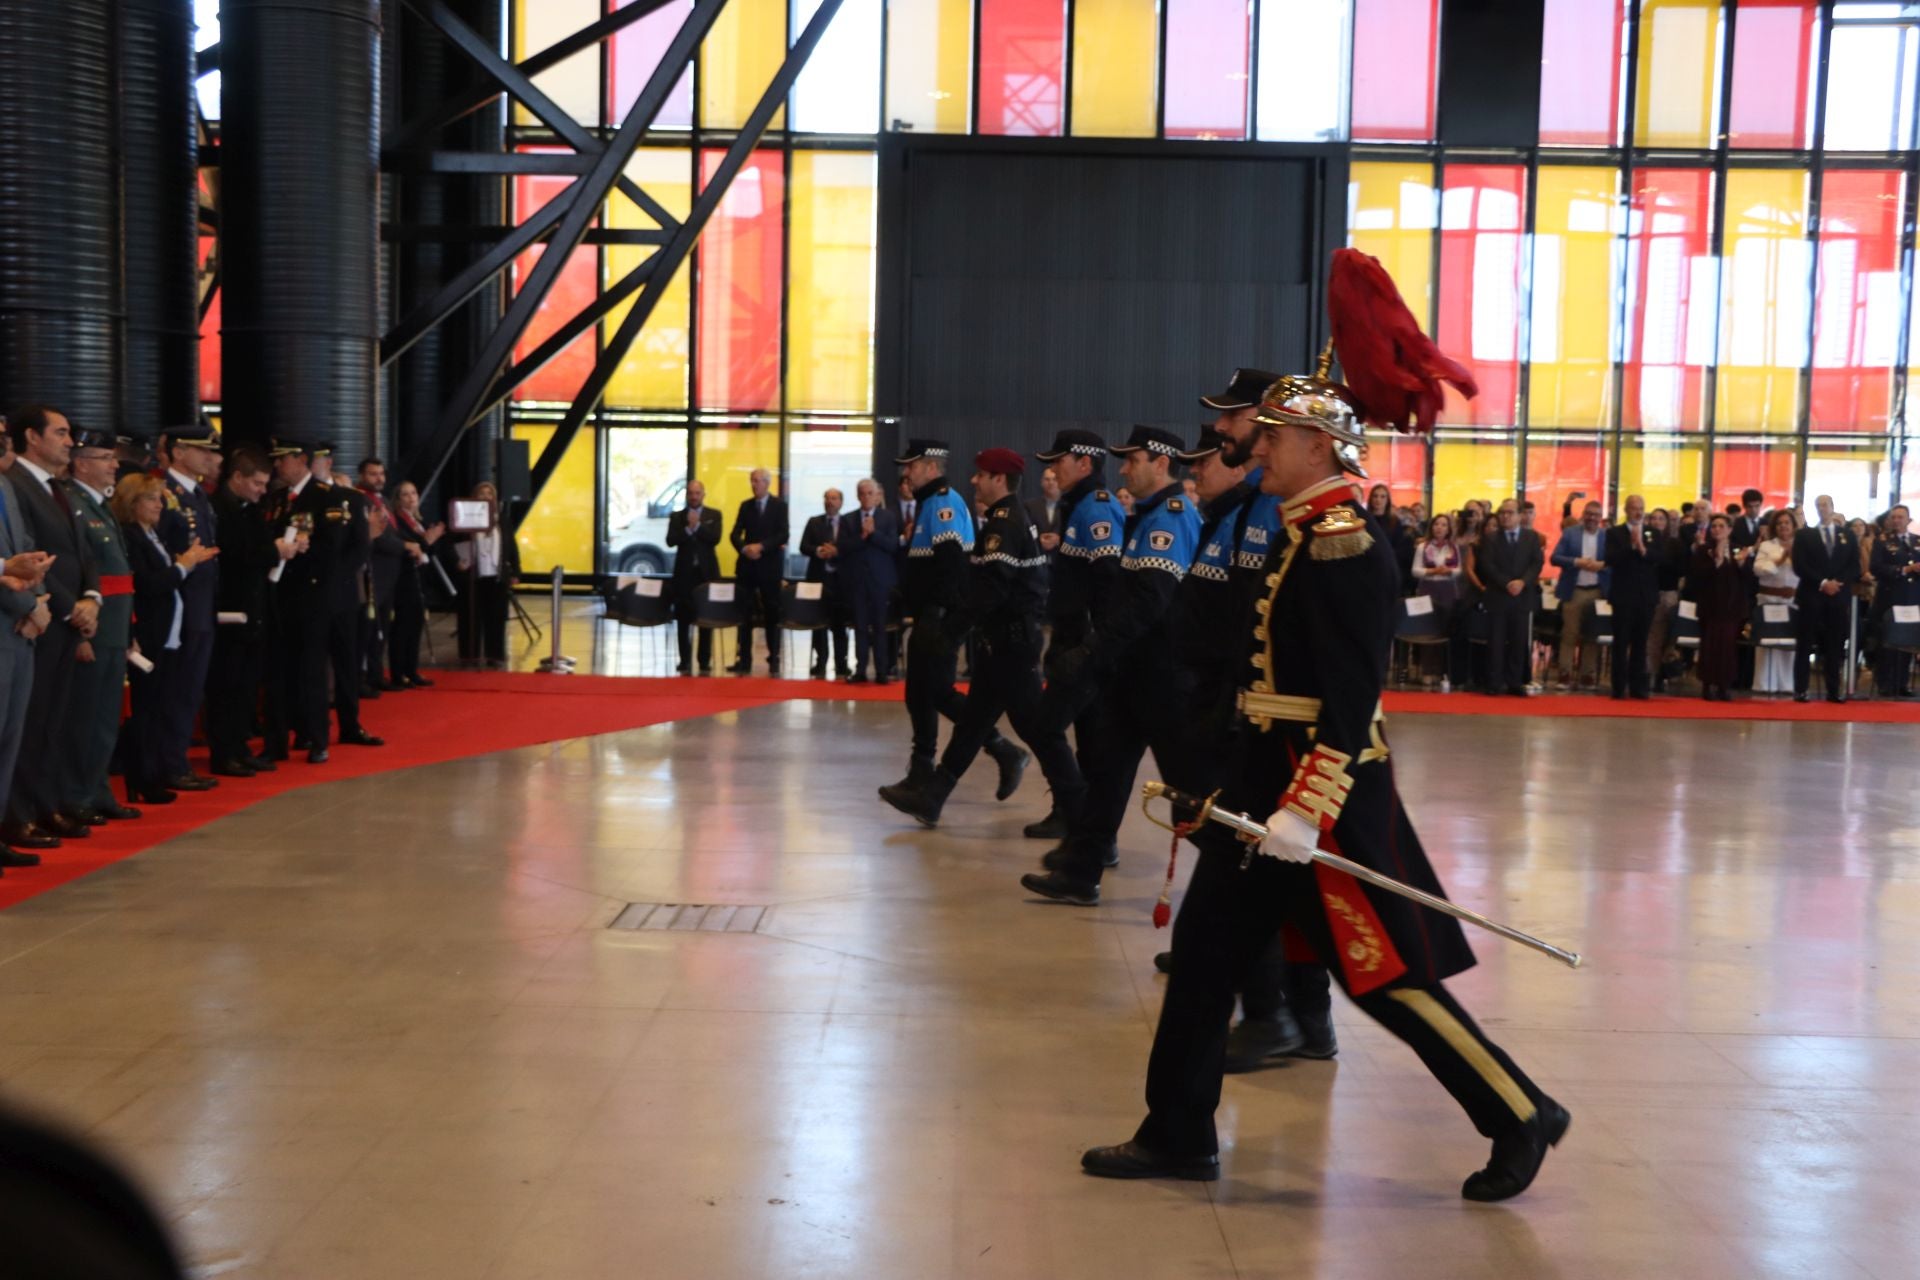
[1000,462]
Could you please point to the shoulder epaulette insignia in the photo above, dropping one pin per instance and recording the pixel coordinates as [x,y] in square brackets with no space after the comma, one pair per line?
[1340,534]
[1101,495]
[1176,505]
[173,500]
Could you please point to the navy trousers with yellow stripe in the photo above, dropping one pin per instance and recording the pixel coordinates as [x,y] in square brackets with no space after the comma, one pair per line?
[1227,920]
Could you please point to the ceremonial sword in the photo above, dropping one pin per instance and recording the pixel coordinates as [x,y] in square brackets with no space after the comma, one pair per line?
[1253,832]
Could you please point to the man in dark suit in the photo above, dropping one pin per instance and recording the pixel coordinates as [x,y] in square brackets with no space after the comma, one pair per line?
[869,569]
[1506,568]
[351,596]
[819,544]
[1635,552]
[694,532]
[43,440]
[760,537]
[1747,528]
[192,457]
[249,550]
[1826,557]
[1048,514]
[1896,582]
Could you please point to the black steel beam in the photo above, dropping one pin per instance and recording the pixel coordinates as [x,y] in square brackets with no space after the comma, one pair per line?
[566,334]
[207,61]
[424,126]
[396,233]
[587,194]
[668,260]
[489,162]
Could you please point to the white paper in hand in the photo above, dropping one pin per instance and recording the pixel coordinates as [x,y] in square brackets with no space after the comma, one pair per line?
[1603,609]
[140,663]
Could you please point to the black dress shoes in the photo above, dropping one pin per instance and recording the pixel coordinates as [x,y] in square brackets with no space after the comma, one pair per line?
[1051,827]
[1163,961]
[1517,1156]
[1255,1042]
[301,744]
[739,669]
[29,836]
[361,738]
[1012,759]
[1057,887]
[260,764]
[68,827]
[684,669]
[1838,699]
[420,682]
[233,769]
[1316,1036]
[117,812]
[1132,1160]
[192,782]
[818,672]
[1056,858]
[858,677]
[14,858]
[317,755]
[150,795]
[1803,697]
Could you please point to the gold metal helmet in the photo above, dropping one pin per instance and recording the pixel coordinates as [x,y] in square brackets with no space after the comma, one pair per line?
[1317,401]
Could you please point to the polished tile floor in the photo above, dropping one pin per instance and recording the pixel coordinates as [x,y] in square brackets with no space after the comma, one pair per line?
[379,1028]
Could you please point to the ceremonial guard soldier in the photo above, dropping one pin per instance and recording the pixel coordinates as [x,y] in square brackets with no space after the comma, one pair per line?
[1086,565]
[297,701]
[100,672]
[1314,755]
[935,585]
[1005,600]
[249,552]
[348,603]
[1116,680]
[192,455]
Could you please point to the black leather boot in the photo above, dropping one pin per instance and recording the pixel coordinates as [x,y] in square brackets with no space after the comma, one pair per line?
[922,801]
[1012,759]
[1517,1156]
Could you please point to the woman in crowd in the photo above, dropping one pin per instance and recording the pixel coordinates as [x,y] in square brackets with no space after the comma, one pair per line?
[1437,568]
[489,564]
[138,501]
[1380,507]
[1672,567]
[410,601]
[1775,581]
[1719,575]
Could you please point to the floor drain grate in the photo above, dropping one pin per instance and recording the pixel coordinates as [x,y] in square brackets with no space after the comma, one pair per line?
[690,917]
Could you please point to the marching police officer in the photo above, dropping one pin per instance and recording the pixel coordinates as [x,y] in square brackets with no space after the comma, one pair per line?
[100,674]
[1005,600]
[934,586]
[1085,567]
[1315,757]
[192,455]
[1118,675]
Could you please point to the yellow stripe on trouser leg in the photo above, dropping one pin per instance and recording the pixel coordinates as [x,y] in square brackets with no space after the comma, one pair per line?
[1468,1046]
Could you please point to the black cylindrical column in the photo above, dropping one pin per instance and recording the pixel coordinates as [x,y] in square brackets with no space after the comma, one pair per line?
[60,285]
[299,217]
[160,152]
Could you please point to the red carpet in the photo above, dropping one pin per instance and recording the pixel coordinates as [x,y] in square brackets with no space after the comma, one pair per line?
[470,713]
[464,714]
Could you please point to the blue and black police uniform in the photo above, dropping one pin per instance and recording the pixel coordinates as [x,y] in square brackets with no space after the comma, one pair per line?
[1118,679]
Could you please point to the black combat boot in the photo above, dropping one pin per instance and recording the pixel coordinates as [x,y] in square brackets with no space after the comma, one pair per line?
[922,801]
[1012,759]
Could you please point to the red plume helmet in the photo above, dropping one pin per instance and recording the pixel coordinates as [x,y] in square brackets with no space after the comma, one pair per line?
[1392,370]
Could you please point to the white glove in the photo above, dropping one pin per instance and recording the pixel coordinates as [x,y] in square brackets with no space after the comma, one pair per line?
[1290,837]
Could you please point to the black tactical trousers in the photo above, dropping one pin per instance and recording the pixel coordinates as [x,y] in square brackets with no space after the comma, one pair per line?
[932,664]
[1227,920]
[1114,733]
[1006,681]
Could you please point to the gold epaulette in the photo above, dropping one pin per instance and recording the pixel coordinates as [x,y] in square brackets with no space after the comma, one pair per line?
[1340,534]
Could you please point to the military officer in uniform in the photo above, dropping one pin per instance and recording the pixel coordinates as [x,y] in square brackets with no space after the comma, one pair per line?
[1315,757]
[1117,675]
[249,552]
[1005,600]
[100,669]
[1085,567]
[297,671]
[934,586]
[192,456]
[350,599]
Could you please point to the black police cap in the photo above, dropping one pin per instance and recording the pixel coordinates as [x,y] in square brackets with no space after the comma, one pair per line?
[1210,442]
[1243,391]
[1085,443]
[1152,439]
[922,448]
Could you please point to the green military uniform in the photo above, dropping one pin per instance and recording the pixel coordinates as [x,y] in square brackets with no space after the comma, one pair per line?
[97,685]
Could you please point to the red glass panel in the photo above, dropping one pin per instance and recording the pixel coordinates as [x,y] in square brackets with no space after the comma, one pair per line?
[573,290]
[1482,216]
[1580,73]
[1399,463]
[1673,290]
[636,52]
[740,273]
[1207,49]
[1559,469]
[1022,66]
[1394,49]
[1856,319]
[1772,50]
[209,338]
[1768,468]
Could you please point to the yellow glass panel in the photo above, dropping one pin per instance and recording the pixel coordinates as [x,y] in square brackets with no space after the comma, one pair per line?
[929,64]
[738,59]
[1115,64]
[1765,301]
[1665,473]
[559,529]
[574,84]
[1467,469]
[830,298]
[653,374]
[1679,73]
[1390,214]
[1576,220]
[723,460]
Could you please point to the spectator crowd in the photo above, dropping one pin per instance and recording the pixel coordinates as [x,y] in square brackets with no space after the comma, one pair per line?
[152,587]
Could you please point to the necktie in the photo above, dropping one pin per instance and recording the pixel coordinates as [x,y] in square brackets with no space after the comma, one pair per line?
[1513,537]
[1826,533]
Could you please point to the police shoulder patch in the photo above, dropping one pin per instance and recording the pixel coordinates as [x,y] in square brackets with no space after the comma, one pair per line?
[993,543]
[946,513]
[1100,529]
[1160,540]
[1176,505]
